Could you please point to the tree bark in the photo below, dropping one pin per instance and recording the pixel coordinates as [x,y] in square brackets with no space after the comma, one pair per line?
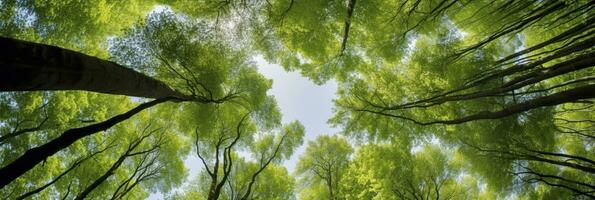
[28,66]
[38,154]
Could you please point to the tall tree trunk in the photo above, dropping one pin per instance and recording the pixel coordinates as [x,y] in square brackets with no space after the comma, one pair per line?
[35,155]
[28,66]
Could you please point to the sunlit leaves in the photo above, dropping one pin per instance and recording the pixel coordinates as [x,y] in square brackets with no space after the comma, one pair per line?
[404,63]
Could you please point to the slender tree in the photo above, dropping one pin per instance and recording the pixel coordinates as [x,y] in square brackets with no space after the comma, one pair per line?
[326,160]
[131,151]
[220,164]
[37,154]
[146,169]
[73,166]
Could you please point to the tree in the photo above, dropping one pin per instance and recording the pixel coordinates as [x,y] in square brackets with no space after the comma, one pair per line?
[325,162]
[271,149]
[25,117]
[218,147]
[422,172]
[36,155]
[491,72]
[31,67]
[60,111]
[54,24]
[558,157]
[73,166]
[274,182]
[137,175]
[83,31]
[147,155]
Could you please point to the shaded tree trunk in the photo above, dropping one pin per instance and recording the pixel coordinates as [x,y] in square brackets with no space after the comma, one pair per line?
[72,167]
[28,66]
[38,154]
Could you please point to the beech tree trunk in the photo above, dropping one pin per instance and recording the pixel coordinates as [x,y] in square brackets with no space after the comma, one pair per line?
[28,66]
[38,154]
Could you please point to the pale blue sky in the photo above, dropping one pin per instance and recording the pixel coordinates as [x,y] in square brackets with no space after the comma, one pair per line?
[300,99]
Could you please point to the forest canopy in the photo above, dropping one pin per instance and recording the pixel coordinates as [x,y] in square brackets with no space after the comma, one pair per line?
[436,99]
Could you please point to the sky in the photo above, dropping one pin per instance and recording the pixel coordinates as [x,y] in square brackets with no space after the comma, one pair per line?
[300,99]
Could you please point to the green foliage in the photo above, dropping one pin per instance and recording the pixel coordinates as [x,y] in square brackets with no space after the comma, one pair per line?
[388,171]
[322,167]
[71,109]
[437,99]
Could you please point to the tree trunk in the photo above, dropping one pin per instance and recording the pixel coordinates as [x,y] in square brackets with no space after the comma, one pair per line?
[213,192]
[350,8]
[72,167]
[35,155]
[102,179]
[330,186]
[28,66]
